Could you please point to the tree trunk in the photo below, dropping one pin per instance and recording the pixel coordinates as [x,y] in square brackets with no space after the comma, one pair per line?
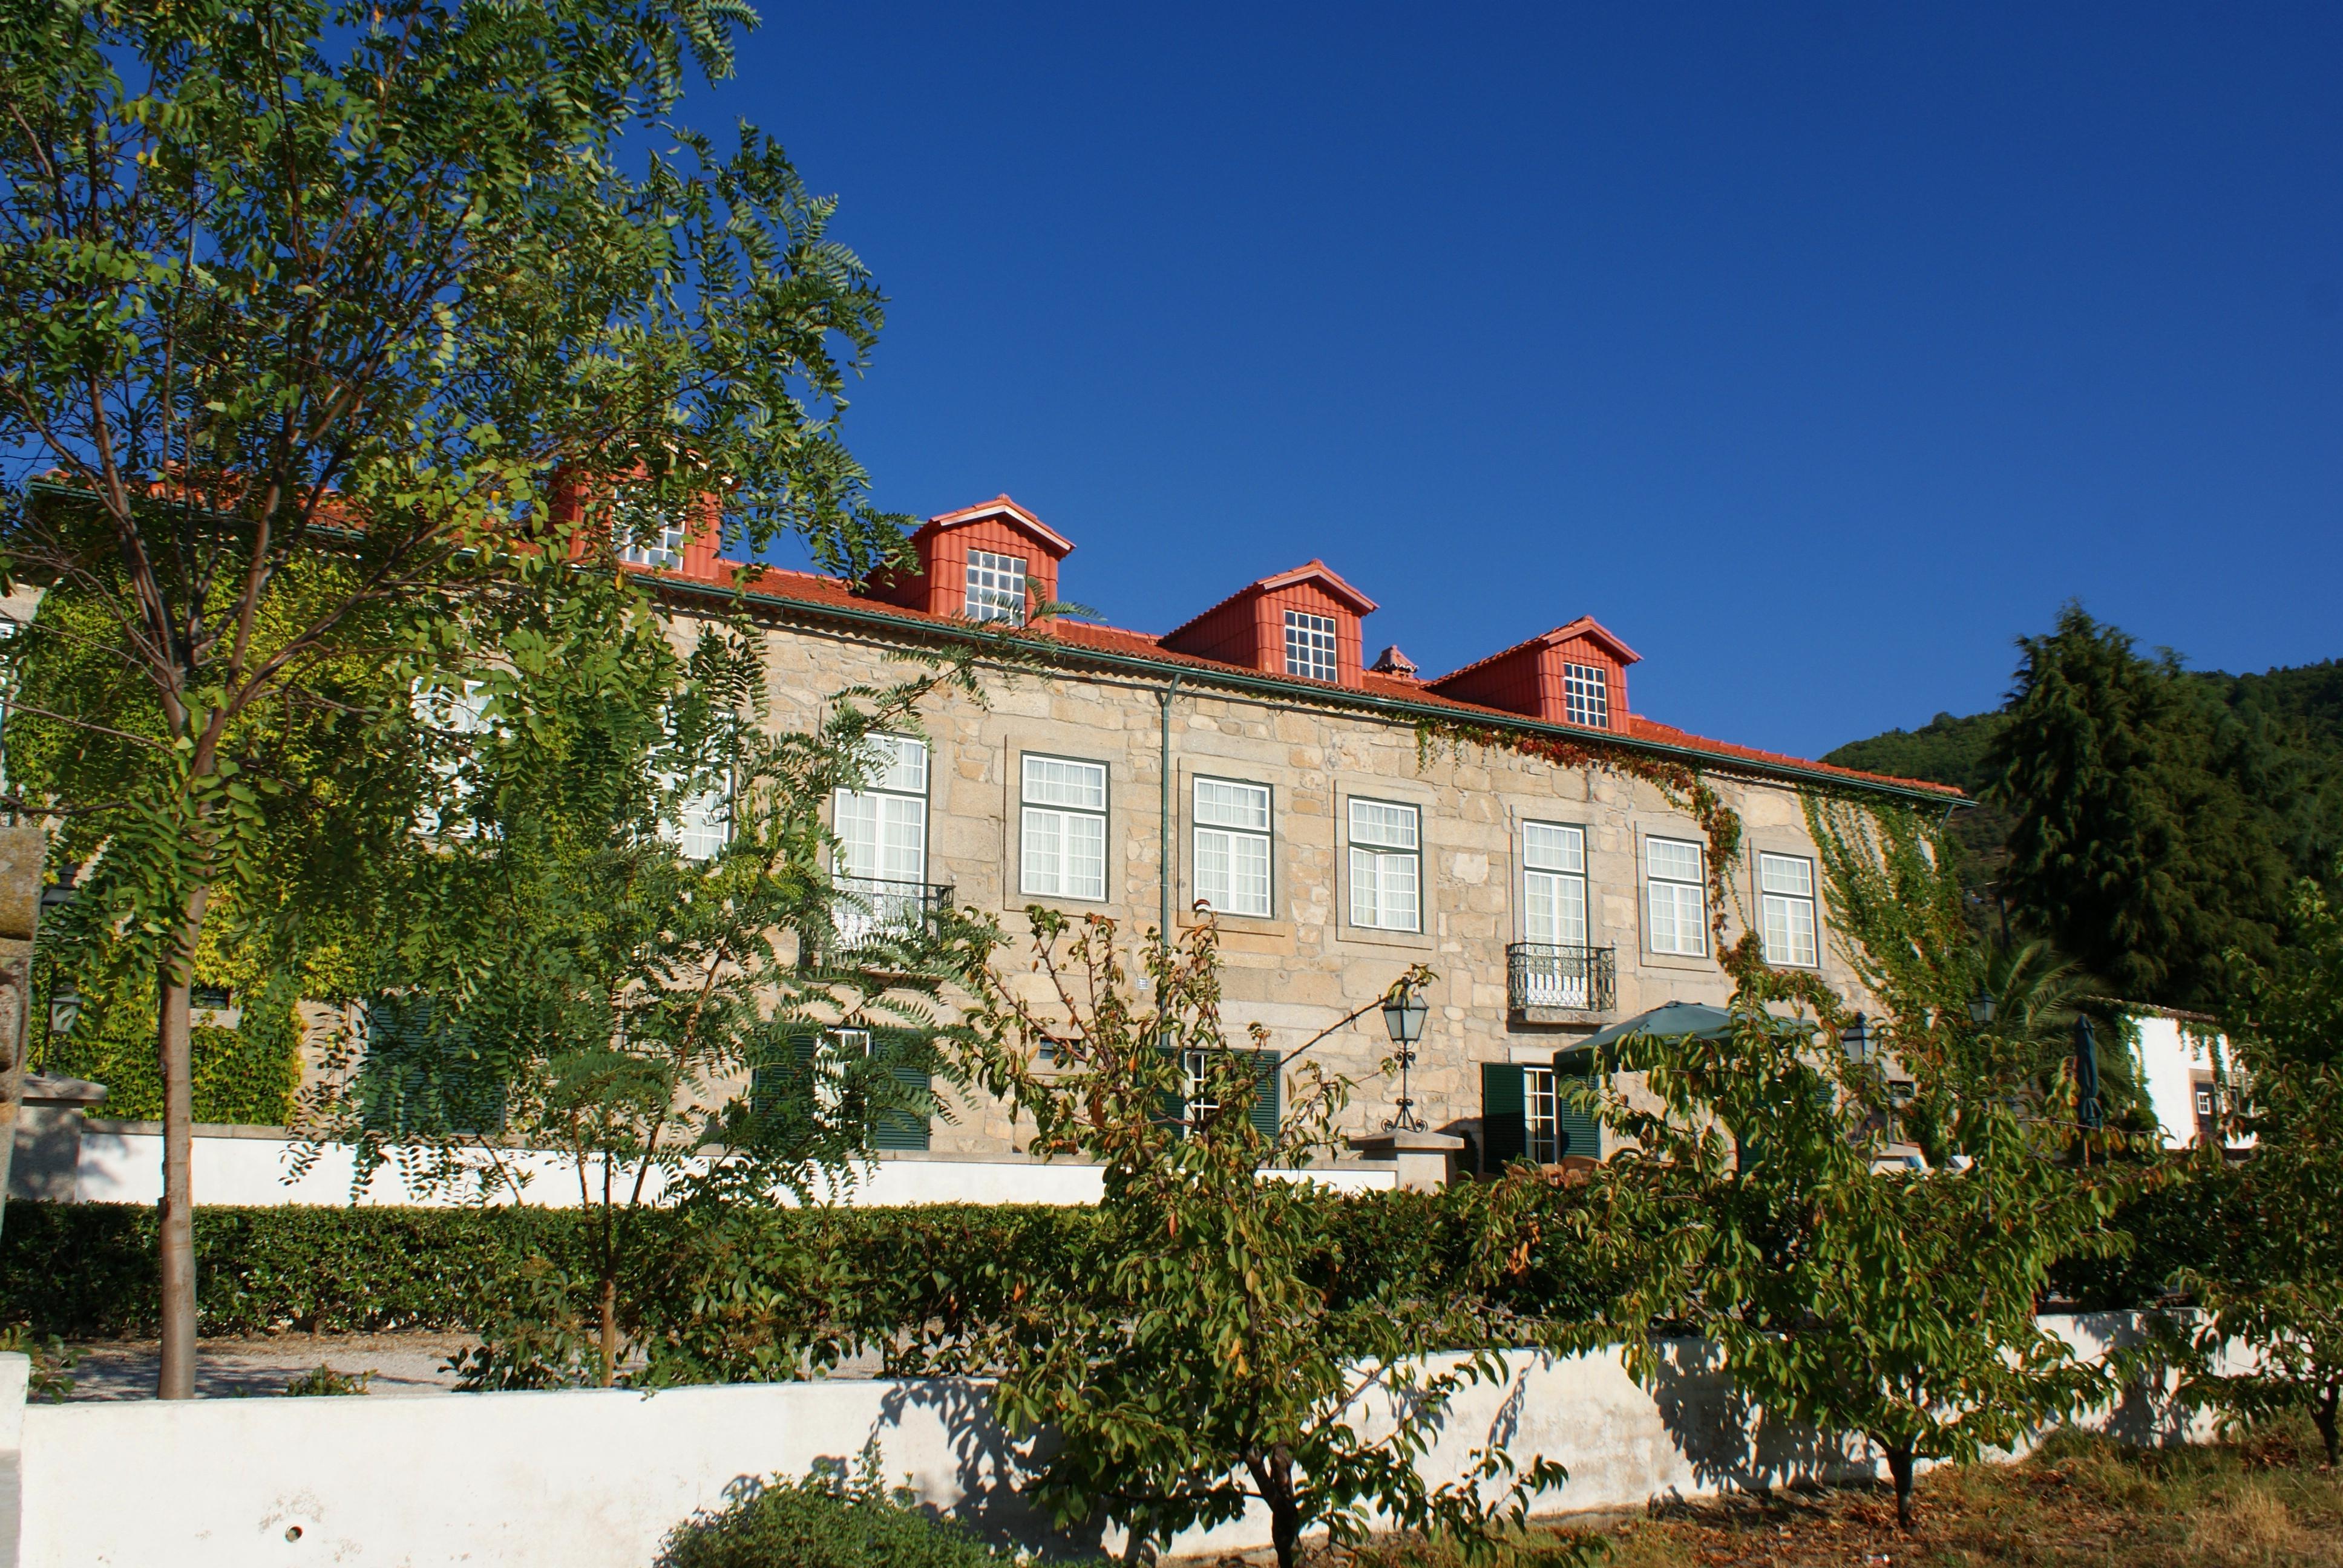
[608,1300]
[1272,1477]
[2322,1412]
[175,1378]
[1899,1465]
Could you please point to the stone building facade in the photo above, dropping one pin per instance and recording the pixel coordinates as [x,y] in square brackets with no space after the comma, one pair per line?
[1549,900]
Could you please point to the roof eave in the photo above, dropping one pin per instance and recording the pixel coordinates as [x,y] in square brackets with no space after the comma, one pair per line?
[1251,681]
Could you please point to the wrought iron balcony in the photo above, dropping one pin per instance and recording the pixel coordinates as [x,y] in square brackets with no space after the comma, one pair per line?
[872,916]
[1579,978]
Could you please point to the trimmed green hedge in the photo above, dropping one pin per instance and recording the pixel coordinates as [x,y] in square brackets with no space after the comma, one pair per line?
[87,1270]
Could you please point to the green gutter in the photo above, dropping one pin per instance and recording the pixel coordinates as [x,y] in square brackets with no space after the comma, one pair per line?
[1269,686]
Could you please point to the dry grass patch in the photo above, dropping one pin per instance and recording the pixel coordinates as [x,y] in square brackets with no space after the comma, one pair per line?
[2079,1501]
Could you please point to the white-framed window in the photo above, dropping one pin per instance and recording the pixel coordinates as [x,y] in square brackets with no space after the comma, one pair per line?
[996,587]
[1309,645]
[1785,909]
[1676,897]
[1541,1119]
[1193,1065]
[1386,866]
[882,862]
[1554,915]
[1062,833]
[462,713]
[702,824]
[1232,834]
[833,1050]
[1554,884]
[646,534]
[1586,694]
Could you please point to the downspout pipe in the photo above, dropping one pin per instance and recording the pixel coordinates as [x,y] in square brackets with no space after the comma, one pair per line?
[1163,848]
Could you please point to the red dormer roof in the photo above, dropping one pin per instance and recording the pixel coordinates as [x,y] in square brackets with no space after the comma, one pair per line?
[1531,678]
[1008,511]
[1248,628]
[1585,627]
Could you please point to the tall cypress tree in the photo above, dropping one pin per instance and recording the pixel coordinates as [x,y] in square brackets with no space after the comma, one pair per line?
[2151,824]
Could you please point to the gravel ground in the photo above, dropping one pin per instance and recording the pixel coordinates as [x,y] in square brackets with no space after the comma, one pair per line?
[405,1366]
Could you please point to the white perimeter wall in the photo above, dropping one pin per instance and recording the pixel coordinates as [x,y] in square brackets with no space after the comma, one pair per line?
[596,1479]
[127,1168]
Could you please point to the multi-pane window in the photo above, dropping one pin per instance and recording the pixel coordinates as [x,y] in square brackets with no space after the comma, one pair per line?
[465,714]
[1586,694]
[883,840]
[1541,1119]
[996,587]
[1064,830]
[1194,1067]
[1785,908]
[702,824]
[1554,884]
[834,1051]
[1233,846]
[1386,867]
[646,533]
[1554,915]
[1676,897]
[1309,645]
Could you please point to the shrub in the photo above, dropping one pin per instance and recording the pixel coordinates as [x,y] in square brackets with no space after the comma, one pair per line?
[927,1285]
[829,1520]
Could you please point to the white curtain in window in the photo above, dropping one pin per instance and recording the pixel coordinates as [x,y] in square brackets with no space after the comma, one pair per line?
[1233,837]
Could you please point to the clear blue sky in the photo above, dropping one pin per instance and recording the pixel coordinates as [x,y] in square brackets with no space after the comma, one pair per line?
[1818,351]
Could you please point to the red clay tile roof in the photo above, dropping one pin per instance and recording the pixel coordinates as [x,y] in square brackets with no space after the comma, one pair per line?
[1584,626]
[817,591]
[1000,505]
[1313,568]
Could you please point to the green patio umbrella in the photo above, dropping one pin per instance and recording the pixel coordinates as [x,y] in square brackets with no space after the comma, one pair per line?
[1675,1020]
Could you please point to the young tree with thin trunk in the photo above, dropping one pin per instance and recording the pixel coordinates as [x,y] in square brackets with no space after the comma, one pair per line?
[616,940]
[1750,1205]
[306,308]
[1196,1370]
[2274,1279]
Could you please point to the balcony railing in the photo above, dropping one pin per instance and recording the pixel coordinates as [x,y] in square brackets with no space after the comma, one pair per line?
[1545,974]
[874,914]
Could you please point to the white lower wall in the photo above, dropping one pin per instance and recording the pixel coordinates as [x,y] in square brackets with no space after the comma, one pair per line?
[596,1479]
[119,1167]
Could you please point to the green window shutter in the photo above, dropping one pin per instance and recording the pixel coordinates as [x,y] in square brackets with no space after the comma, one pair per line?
[1504,1127]
[1267,1105]
[893,1129]
[1576,1132]
[771,1079]
[1170,1106]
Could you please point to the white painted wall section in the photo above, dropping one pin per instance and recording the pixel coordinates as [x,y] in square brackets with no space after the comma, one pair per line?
[119,1167]
[596,1478]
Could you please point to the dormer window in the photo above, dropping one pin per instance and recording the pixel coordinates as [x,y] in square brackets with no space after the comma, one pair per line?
[646,534]
[1586,694]
[1309,645]
[996,587]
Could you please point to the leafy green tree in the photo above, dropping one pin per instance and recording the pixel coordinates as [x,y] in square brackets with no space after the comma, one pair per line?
[2274,1279]
[596,947]
[1197,1369]
[308,312]
[2151,826]
[1855,1296]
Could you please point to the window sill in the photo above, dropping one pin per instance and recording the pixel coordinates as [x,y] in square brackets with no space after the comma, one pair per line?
[1376,936]
[1676,961]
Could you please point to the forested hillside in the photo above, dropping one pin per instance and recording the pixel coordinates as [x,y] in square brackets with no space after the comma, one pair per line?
[2153,819]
